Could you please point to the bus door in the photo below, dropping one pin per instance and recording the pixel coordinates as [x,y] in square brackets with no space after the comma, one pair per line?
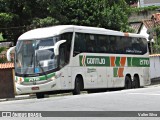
[102,80]
[65,70]
[91,77]
[66,78]
[109,77]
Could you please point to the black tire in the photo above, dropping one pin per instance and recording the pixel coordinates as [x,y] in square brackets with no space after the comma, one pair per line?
[128,83]
[77,86]
[136,82]
[39,95]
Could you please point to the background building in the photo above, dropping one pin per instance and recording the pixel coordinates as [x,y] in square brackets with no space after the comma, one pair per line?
[145,3]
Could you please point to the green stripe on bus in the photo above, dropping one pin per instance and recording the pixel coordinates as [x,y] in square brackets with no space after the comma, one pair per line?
[40,78]
[138,62]
[129,61]
[104,61]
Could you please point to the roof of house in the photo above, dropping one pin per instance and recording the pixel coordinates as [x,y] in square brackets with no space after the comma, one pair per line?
[153,55]
[154,21]
[6,65]
[136,26]
[156,18]
[148,23]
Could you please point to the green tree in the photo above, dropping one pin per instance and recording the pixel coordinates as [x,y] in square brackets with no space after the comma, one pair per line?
[157,40]
[99,13]
[18,16]
[48,21]
[2,59]
[79,12]
[1,37]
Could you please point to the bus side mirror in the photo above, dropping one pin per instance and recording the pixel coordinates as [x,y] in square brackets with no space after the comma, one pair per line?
[56,46]
[9,53]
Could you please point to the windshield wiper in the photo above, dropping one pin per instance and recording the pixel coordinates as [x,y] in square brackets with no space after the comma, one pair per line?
[30,64]
[41,67]
[42,70]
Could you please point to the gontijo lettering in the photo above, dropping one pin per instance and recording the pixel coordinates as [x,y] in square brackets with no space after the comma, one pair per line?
[96,61]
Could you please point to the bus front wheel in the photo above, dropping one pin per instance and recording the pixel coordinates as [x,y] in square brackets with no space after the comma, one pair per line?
[128,82]
[78,86]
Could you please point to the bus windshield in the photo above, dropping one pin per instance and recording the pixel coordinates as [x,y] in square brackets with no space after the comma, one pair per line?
[35,56]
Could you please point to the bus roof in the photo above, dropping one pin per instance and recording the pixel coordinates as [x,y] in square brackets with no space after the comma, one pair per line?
[46,32]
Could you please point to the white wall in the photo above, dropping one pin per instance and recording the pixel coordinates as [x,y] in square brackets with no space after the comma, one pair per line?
[154,66]
[145,3]
[144,32]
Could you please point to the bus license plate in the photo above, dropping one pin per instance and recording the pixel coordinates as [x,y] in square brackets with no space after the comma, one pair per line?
[35,88]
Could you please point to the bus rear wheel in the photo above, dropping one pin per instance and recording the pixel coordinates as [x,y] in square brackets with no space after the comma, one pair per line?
[128,82]
[136,82]
[78,86]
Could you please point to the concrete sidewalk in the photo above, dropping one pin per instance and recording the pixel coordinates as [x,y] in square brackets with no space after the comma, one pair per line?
[18,97]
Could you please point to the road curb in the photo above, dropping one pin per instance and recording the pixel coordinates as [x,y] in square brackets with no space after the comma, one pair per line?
[155,81]
[18,97]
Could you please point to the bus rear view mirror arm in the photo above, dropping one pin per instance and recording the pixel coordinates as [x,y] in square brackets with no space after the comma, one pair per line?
[56,48]
[9,53]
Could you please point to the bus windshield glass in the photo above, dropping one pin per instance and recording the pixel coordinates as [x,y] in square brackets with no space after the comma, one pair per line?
[35,56]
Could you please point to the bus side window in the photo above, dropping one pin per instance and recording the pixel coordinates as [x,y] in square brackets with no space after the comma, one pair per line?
[67,45]
[91,43]
[144,46]
[79,44]
[102,44]
[112,48]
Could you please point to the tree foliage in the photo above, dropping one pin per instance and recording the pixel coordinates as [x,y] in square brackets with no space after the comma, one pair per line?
[17,16]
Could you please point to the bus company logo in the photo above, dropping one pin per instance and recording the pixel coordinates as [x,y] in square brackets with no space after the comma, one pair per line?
[92,61]
[96,61]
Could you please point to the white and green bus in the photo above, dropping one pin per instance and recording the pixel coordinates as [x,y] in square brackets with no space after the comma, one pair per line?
[76,58]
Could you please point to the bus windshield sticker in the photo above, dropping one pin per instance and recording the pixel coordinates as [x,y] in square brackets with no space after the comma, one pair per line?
[36,70]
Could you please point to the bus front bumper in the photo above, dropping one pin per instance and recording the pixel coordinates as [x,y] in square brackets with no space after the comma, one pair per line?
[24,89]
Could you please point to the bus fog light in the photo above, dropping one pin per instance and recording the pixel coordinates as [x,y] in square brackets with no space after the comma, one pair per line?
[52,78]
[20,80]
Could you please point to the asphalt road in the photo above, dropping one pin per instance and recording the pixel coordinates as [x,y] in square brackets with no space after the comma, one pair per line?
[137,100]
